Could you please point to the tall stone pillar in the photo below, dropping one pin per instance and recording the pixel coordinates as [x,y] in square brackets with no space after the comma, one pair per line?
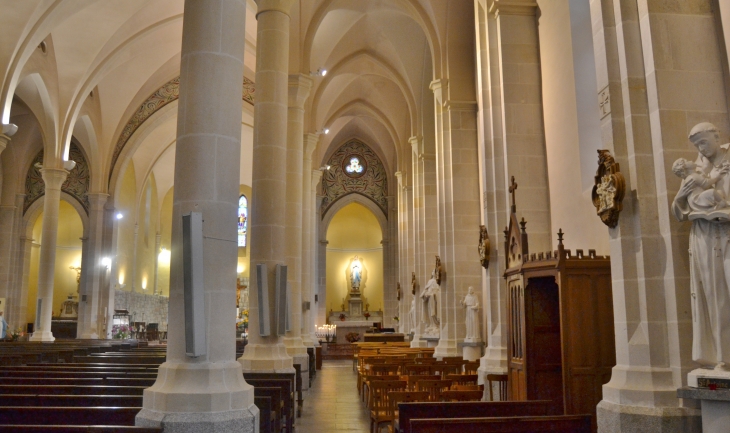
[268,211]
[158,243]
[53,179]
[134,257]
[308,287]
[299,86]
[458,217]
[206,392]
[319,245]
[89,293]
[17,299]
[656,92]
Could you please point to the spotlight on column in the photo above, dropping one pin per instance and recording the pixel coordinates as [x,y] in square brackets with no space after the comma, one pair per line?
[324,167]
[119,216]
[321,72]
[10,129]
[106,262]
[69,165]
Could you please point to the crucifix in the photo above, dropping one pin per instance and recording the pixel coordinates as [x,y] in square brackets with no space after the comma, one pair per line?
[512,189]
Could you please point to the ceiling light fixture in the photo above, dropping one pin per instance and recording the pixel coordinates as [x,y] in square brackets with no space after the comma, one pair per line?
[321,72]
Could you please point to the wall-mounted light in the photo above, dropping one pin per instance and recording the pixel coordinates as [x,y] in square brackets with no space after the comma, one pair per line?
[325,167]
[239,269]
[69,165]
[144,283]
[106,262]
[119,215]
[321,72]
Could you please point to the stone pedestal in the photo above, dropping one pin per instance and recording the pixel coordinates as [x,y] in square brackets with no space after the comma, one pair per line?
[715,407]
[355,306]
[430,341]
[471,350]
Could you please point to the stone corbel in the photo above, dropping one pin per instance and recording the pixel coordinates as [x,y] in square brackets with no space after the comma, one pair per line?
[299,87]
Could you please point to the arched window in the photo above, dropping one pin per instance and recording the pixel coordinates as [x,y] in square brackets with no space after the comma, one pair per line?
[242,220]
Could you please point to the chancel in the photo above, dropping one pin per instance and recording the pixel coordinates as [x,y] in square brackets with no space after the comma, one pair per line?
[329,215]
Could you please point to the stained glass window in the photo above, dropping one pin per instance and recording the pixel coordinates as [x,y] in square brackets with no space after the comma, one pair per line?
[354,167]
[242,220]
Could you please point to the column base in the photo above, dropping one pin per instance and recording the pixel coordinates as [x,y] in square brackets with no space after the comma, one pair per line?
[44,336]
[417,342]
[446,347]
[619,418]
[246,421]
[270,358]
[294,346]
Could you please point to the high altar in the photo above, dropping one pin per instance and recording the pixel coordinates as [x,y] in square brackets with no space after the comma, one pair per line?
[357,317]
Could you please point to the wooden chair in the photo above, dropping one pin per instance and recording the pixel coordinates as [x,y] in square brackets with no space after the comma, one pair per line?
[444,369]
[463,379]
[471,367]
[385,370]
[414,369]
[434,388]
[368,379]
[413,380]
[453,395]
[395,397]
[501,379]
[379,400]
[458,387]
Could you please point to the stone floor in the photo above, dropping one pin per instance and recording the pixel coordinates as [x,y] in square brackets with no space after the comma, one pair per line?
[332,404]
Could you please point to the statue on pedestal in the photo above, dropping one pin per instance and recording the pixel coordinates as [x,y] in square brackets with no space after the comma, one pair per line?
[700,199]
[471,303]
[431,297]
[412,316]
[355,274]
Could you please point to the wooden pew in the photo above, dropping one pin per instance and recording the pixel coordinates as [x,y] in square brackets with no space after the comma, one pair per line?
[76,429]
[554,424]
[286,381]
[71,400]
[409,411]
[71,389]
[32,415]
[274,396]
[267,416]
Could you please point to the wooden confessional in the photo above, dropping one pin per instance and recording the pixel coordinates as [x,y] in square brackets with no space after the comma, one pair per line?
[561,333]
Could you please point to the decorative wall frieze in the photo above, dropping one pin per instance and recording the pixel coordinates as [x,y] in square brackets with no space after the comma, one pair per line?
[166,94]
[355,169]
[76,183]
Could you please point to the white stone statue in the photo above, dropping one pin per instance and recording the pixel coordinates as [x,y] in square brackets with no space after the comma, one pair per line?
[355,274]
[709,245]
[431,298]
[471,303]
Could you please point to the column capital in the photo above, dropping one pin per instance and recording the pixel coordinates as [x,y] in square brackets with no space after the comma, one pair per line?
[311,140]
[440,89]
[54,177]
[283,6]
[299,87]
[97,200]
[513,7]
[316,176]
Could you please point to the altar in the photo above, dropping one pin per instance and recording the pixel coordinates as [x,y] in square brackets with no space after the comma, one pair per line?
[345,327]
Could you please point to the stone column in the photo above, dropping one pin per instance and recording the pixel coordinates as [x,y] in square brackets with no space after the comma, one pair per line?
[89,294]
[268,211]
[299,86]
[158,242]
[7,239]
[53,179]
[319,246]
[207,392]
[16,309]
[134,258]
[308,287]
[458,207]
[658,84]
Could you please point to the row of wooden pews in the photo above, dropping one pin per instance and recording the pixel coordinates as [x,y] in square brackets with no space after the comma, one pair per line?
[409,391]
[74,386]
[97,386]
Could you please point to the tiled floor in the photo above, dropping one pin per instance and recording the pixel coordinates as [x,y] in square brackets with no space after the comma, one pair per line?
[332,404]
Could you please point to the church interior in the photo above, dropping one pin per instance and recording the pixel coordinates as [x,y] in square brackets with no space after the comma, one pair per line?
[451,215]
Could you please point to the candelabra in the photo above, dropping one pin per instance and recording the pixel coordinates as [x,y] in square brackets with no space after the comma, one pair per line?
[326,332]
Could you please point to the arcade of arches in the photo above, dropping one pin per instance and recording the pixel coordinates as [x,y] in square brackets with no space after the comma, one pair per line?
[382,132]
